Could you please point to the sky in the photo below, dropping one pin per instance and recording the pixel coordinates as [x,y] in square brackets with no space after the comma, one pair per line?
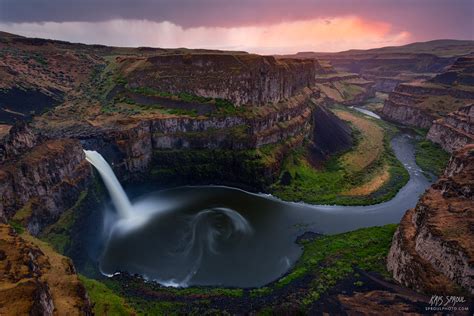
[259,26]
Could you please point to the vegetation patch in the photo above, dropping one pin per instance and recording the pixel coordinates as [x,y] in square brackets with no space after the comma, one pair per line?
[223,107]
[351,178]
[370,143]
[57,234]
[104,300]
[430,157]
[249,168]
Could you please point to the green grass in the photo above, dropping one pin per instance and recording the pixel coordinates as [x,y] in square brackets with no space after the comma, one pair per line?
[17,226]
[430,157]
[332,258]
[308,184]
[152,308]
[104,300]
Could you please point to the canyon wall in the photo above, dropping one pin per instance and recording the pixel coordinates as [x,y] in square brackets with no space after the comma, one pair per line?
[43,171]
[269,106]
[433,248]
[347,89]
[38,185]
[241,79]
[455,130]
[419,103]
[389,66]
[131,145]
[400,108]
[330,135]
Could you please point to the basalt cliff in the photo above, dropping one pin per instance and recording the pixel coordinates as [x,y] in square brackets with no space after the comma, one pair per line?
[455,130]
[432,249]
[419,103]
[241,79]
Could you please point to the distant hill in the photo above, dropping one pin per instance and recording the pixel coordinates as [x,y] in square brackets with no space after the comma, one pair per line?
[440,48]
[389,66]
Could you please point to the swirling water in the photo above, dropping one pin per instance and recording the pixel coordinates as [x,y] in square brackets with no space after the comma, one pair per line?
[221,236]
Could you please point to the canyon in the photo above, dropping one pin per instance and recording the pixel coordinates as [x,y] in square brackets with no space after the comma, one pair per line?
[419,103]
[169,117]
[230,142]
[387,67]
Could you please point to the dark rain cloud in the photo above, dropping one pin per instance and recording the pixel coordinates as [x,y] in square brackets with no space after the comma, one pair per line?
[421,17]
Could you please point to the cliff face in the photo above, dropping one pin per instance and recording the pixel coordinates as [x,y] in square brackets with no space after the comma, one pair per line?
[208,149]
[433,248]
[419,103]
[43,173]
[348,89]
[242,79]
[330,134]
[455,130]
[35,281]
[399,108]
[37,186]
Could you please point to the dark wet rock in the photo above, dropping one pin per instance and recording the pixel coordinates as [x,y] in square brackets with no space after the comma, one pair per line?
[330,134]
[307,237]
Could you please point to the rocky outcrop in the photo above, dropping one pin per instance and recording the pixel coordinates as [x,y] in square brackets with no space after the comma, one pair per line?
[36,187]
[19,139]
[455,130]
[433,248]
[347,89]
[241,79]
[419,103]
[35,281]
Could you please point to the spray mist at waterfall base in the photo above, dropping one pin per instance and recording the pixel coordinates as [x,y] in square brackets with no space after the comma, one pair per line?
[198,236]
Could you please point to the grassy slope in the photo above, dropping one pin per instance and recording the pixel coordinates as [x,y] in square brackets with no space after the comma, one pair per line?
[104,300]
[342,173]
[325,261]
[430,157]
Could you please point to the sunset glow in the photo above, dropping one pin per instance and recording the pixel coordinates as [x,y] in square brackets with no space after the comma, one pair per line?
[261,26]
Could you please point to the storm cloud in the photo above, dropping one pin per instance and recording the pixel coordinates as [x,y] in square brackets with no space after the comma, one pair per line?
[421,19]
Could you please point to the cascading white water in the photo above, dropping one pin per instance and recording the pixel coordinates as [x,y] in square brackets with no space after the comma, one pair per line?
[119,198]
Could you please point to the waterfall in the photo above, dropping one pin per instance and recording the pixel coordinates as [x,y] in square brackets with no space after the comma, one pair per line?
[119,198]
